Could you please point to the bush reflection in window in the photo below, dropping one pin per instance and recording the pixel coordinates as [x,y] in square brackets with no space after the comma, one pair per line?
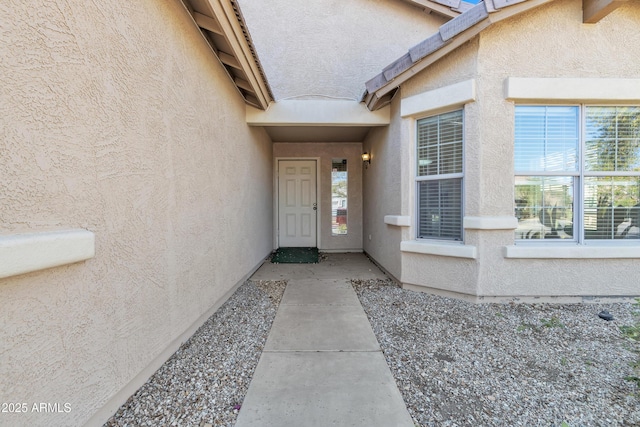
[339,197]
[592,152]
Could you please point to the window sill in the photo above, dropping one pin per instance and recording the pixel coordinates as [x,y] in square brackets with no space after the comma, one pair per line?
[398,220]
[572,252]
[490,223]
[456,250]
[24,253]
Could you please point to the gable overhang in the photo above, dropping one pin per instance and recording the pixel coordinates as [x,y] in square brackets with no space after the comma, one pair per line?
[594,10]
[223,28]
[451,35]
[314,120]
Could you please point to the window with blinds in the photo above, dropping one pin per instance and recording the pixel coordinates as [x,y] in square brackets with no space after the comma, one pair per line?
[439,176]
[612,173]
[546,164]
[589,151]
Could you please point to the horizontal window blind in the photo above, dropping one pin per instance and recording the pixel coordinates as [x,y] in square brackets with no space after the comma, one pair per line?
[544,207]
[612,139]
[546,138]
[439,147]
[439,174]
[547,141]
[439,144]
[611,207]
[440,209]
[550,168]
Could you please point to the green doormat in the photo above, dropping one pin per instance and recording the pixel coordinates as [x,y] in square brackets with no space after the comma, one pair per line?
[295,256]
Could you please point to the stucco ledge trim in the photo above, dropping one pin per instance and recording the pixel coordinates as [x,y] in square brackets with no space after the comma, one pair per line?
[490,223]
[441,249]
[24,253]
[571,252]
[398,220]
[572,89]
[455,95]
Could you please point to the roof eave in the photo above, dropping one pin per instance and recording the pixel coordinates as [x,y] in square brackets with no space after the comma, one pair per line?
[450,36]
[223,28]
[594,10]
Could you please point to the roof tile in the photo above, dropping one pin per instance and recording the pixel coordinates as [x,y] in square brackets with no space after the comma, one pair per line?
[397,67]
[427,47]
[376,83]
[464,21]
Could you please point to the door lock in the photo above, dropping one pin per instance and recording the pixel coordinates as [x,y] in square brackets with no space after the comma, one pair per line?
[315,206]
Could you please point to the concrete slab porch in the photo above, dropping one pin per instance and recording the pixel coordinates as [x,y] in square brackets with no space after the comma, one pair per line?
[322,364]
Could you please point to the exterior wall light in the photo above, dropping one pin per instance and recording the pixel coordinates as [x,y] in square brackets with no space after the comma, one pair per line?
[366,159]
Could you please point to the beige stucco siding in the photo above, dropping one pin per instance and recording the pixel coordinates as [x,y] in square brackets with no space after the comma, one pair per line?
[548,42]
[552,41]
[342,44]
[385,193]
[324,153]
[117,119]
[521,47]
[459,66]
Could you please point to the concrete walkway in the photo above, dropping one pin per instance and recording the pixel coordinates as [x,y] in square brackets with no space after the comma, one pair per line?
[322,365]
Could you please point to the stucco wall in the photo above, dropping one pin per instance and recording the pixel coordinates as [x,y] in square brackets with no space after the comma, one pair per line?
[352,241]
[521,47]
[342,44]
[550,41]
[434,272]
[117,119]
[385,192]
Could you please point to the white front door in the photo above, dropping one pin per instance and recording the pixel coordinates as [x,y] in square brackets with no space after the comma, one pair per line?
[297,205]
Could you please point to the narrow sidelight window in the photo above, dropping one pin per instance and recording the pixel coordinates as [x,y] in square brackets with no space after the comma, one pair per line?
[339,197]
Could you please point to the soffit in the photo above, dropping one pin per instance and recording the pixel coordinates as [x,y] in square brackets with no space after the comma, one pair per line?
[317,133]
[222,26]
[451,35]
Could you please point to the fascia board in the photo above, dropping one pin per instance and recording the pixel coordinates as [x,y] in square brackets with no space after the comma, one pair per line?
[518,6]
[234,34]
[317,113]
[434,57]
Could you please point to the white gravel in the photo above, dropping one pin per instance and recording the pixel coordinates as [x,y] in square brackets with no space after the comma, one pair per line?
[455,363]
[463,364]
[206,380]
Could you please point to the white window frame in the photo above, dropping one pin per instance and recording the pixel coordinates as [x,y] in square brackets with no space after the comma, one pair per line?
[419,178]
[578,183]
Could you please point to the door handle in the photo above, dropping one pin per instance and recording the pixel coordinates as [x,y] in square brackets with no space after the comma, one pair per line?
[315,206]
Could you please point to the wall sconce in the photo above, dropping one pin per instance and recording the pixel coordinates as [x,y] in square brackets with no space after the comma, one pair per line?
[366,159]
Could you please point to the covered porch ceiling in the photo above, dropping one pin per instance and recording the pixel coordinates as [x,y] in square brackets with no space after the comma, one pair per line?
[317,133]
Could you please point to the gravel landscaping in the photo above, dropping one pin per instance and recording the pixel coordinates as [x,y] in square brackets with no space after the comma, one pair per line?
[206,380]
[463,364]
[455,363]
